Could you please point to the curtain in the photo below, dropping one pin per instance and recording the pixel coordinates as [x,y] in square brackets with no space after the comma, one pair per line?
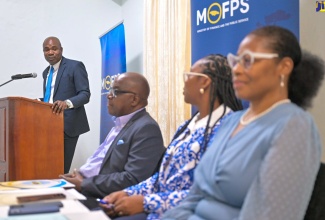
[167,54]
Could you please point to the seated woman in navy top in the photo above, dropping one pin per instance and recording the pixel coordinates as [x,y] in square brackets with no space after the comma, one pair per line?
[263,161]
[208,87]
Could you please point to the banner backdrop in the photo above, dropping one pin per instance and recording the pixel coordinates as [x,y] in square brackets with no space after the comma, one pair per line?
[219,26]
[113,63]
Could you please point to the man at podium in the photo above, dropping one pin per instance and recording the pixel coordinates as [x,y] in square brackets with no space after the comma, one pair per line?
[66,85]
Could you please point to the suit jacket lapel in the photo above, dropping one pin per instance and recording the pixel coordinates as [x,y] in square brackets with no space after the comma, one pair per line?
[59,75]
[117,138]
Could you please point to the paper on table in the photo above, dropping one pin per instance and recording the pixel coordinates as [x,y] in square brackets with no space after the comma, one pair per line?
[34,184]
[98,215]
[75,194]
[49,216]
[73,206]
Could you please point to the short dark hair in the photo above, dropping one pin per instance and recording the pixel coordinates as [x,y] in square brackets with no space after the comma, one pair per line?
[308,72]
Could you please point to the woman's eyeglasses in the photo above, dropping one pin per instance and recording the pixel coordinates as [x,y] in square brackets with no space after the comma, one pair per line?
[187,74]
[247,58]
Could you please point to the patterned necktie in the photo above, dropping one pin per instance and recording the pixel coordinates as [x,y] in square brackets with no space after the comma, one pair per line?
[48,86]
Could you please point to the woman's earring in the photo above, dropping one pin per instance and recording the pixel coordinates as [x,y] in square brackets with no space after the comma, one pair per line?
[202,91]
[282,81]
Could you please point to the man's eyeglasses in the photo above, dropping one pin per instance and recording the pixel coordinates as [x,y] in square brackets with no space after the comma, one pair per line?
[115,92]
[247,58]
[187,74]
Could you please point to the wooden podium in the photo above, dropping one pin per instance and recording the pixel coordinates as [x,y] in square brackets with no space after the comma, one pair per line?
[31,140]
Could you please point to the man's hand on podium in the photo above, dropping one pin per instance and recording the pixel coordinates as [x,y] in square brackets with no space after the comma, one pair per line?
[75,178]
[58,107]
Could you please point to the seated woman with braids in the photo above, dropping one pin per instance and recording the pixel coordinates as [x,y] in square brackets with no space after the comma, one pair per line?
[208,87]
[264,160]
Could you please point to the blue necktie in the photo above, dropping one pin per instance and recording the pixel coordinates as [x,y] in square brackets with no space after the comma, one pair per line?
[48,86]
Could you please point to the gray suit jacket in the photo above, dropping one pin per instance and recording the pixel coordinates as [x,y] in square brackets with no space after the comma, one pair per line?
[133,156]
[72,83]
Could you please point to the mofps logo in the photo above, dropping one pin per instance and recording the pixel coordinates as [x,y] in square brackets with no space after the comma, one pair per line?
[107,83]
[216,11]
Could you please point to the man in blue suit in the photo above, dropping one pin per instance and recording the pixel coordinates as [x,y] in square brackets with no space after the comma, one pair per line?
[66,86]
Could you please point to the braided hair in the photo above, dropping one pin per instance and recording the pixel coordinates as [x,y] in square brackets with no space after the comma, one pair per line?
[217,69]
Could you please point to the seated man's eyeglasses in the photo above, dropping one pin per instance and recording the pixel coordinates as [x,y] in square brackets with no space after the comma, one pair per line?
[115,92]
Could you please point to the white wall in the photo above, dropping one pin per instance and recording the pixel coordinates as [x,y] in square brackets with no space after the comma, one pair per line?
[25,24]
[132,13]
[312,35]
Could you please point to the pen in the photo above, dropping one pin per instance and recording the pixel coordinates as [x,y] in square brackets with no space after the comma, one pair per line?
[102,201]
[110,206]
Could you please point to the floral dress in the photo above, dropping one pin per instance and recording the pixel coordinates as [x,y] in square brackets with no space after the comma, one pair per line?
[171,184]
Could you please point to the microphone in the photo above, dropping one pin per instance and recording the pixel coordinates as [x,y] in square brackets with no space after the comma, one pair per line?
[20,76]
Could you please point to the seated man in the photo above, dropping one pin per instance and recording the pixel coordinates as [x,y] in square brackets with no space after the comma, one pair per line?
[133,148]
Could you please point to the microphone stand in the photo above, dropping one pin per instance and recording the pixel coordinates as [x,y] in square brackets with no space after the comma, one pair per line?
[6,82]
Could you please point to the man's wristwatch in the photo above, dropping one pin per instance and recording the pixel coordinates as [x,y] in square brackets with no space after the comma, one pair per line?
[69,104]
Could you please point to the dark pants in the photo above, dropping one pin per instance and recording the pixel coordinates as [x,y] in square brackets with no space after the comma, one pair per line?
[70,144]
[140,216]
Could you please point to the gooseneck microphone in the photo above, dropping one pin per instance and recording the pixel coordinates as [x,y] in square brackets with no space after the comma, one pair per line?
[21,76]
